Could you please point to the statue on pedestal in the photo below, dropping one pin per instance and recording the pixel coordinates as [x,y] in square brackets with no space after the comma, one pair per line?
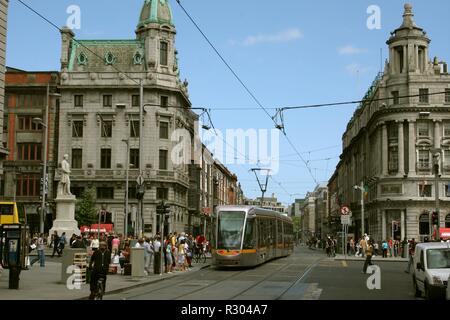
[64,184]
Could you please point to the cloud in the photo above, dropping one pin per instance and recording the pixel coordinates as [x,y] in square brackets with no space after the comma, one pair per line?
[355,69]
[349,50]
[280,37]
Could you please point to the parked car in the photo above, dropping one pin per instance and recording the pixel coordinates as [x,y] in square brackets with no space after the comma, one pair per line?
[431,269]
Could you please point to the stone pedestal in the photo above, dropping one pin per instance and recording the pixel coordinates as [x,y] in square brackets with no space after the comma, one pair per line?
[65,216]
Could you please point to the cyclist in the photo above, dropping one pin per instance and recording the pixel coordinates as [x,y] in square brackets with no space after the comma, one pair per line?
[99,265]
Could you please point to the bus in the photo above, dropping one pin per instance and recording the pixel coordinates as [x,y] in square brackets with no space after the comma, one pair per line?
[12,212]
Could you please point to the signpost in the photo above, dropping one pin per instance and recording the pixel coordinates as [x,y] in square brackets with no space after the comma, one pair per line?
[345,221]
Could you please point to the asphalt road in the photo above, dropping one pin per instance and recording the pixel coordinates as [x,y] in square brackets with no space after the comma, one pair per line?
[305,275]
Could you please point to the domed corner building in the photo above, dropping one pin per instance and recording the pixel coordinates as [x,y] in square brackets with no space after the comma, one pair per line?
[391,142]
[99,116]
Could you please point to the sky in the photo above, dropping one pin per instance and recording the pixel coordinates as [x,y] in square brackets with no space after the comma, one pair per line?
[286,52]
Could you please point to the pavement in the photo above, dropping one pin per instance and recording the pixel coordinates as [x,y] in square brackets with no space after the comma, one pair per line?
[44,283]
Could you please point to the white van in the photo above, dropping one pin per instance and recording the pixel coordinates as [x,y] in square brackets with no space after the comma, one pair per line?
[431,269]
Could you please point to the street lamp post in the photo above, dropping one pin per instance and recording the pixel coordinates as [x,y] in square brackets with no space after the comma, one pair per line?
[127,168]
[361,188]
[436,159]
[44,124]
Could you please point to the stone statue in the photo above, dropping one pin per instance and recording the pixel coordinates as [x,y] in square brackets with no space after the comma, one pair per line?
[64,184]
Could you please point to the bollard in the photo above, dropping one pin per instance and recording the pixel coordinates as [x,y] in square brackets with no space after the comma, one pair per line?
[137,262]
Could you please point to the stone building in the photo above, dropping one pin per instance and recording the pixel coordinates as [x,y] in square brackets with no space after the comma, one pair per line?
[3,28]
[270,203]
[314,213]
[390,142]
[26,99]
[100,88]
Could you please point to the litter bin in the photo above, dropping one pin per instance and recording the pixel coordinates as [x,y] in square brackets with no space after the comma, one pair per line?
[137,262]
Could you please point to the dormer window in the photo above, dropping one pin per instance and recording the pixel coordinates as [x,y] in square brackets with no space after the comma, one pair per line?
[109,58]
[137,59]
[82,59]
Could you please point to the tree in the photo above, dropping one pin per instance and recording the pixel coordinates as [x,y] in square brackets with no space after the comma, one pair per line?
[86,212]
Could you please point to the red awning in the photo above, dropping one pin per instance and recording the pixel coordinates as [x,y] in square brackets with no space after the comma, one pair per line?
[95,228]
[444,233]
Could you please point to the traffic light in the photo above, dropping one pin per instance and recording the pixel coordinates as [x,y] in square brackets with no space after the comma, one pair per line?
[434,218]
[163,208]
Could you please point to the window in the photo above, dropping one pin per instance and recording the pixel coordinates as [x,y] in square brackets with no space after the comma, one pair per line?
[28,185]
[106,129]
[423,129]
[162,193]
[163,53]
[424,160]
[135,100]
[163,130]
[393,159]
[77,129]
[134,157]
[164,101]
[5,124]
[134,129]
[30,100]
[423,95]
[424,224]
[424,190]
[395,99]
[107,100]
[78,100]
[77,158]
[446,159]
[105,193]
[26,124]
[132,192]
[105,158]
[29,151]
[447,95]
[446,128]
[163,159]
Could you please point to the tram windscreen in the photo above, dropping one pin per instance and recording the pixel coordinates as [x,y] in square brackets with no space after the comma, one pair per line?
[230,225]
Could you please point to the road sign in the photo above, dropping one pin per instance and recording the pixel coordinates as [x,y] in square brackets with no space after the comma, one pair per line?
[345,219]
[140,179]
[345,210]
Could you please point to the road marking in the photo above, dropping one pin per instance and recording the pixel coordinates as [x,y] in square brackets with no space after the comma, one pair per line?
[344,263]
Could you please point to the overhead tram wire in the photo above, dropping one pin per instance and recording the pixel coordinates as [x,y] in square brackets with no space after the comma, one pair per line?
[245,87]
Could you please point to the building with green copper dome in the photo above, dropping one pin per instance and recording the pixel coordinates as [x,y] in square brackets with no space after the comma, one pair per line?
[99,108]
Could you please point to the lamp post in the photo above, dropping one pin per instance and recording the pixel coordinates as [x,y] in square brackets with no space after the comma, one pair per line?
[361,187]
[44,123]
[436,163]
[128,165]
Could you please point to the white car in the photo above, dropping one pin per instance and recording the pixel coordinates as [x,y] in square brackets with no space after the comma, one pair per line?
[431,269]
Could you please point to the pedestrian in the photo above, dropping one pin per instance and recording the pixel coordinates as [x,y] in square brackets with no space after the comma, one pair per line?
[384,247]
[412,249]
[61,243]
[40,246]
[55,242]
[157,260]
[369,252]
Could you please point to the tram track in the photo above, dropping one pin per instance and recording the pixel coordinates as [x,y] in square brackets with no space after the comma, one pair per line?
[196,278]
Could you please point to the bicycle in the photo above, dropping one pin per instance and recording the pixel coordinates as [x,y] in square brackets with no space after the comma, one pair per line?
[200,255]
[100,288]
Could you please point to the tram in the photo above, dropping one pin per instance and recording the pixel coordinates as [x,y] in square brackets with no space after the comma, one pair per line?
[246,236]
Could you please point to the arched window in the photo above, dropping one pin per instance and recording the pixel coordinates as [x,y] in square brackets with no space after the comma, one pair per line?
[447,221]
[424,224]
[163,51]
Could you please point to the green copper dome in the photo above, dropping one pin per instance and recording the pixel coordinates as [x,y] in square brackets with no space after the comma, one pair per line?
[155,11]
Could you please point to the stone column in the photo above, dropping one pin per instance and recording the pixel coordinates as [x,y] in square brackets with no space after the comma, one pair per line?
[384,151]
[412,148]
[383,225]
[417,57]
[437,134]
[402,224]
[401,150]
